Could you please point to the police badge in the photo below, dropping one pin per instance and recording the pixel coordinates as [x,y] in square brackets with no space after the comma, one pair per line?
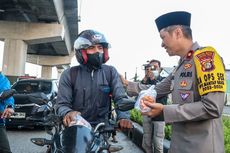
[206,60]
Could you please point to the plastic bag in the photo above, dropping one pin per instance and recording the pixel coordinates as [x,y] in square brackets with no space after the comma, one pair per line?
[150,93]
[79,120]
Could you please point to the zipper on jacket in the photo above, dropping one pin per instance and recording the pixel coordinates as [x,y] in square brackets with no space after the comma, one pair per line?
[92,74]
[92,88]
[84,100]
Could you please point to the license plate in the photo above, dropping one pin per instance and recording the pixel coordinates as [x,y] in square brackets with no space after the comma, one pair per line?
[18,115]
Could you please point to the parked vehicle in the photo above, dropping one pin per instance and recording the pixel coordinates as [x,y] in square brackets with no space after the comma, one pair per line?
[25,103]
[81,137]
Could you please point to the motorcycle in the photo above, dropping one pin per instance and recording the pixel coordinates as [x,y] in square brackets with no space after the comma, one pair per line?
[80,137]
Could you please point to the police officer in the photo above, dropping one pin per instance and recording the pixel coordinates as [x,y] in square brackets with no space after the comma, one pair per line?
[89,92]
[198,86]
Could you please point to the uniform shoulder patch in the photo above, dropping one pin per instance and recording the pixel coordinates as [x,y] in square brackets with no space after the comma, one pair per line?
[206,59]
[210,70]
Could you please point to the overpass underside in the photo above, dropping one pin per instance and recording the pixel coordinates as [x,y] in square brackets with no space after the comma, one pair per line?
[39,32]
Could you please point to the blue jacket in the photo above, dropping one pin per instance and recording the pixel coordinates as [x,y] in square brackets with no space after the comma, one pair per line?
[5,85]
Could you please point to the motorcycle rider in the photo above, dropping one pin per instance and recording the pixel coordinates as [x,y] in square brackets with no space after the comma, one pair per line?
[94,82]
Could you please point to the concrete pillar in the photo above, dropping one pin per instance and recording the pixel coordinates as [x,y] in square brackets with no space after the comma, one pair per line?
[46,72]
[14,57]
[59,70]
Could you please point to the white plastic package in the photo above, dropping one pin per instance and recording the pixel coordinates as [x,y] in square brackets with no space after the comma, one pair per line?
[79,120]
[151,92]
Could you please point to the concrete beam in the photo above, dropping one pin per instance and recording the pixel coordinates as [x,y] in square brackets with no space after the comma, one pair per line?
[49,60]
[59,6]
[32,33]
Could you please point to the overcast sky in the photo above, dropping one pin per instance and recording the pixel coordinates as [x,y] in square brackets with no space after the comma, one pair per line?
[130,28]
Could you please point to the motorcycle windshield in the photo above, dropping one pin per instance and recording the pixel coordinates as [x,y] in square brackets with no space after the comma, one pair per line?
[76,139]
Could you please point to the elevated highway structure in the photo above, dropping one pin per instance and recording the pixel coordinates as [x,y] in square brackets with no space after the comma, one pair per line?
[41,32]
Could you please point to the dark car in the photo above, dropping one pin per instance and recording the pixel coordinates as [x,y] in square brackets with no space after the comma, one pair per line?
[29,98]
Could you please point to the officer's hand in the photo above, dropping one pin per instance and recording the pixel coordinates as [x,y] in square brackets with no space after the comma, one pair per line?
[144,107]
[156,109]
[125,124]
[7,113]
[70,117]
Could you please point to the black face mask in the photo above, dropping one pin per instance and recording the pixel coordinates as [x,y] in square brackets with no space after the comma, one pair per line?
[95,60]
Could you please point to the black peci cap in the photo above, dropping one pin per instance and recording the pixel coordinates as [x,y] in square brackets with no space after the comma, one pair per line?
[173,18]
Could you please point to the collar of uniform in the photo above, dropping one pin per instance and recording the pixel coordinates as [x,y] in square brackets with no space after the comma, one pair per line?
[195,46]
[188,56]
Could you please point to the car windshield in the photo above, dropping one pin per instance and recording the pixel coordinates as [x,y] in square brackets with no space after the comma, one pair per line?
[33,86]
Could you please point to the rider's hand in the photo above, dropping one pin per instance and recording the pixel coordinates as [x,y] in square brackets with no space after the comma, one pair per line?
[125,124]
[69,117]
[7,113]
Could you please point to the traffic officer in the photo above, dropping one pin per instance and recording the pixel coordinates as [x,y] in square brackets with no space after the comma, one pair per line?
[197,85]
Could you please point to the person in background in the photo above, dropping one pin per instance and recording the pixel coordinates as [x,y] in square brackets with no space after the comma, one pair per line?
[152,71]
[28,88]
[197,85]
[153,136]
[6,110]
[89,94]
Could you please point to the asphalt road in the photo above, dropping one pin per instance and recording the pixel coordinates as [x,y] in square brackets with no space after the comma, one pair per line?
[20,141]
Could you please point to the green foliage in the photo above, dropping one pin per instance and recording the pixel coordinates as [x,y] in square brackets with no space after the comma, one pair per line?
[226,124]
[136,116]
[168,132]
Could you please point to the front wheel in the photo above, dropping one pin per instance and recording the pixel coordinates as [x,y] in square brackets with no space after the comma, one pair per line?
[52,150]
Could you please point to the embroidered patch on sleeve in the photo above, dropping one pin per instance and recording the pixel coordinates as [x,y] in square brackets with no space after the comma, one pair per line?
[184,96]
[187,66]
[210,71]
